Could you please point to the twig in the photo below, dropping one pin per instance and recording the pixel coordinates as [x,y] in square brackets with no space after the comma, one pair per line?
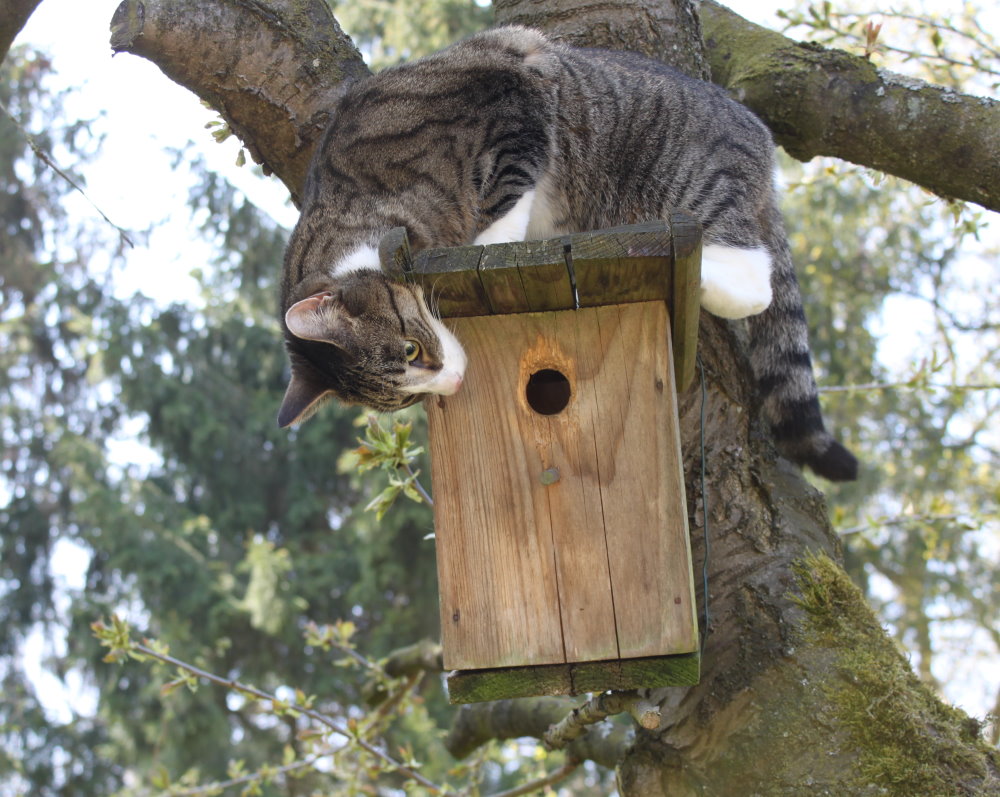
[42,156]
[330,722]
[553,777]
[422,656]
[597,709]
[419,487]
[476,724]
[393,700]
[899,520]
[911,384]
[219,786]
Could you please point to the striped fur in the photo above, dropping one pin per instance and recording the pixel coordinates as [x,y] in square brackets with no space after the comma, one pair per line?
[450,146]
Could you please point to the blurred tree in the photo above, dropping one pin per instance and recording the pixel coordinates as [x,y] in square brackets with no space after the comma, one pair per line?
[237,534]
[399,30]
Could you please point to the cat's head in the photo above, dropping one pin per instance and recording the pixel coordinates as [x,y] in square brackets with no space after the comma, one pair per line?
[365,339]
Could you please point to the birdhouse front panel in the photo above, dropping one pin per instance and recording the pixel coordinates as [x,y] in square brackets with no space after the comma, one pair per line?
[559,503]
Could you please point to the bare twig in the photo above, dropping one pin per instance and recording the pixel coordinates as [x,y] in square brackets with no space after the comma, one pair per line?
[536,785]
[217,787]
[597,709]
[331,723]
[419,487]
[911,384]
[44,158]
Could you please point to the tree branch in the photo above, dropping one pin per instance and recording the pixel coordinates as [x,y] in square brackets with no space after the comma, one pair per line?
[271,69]
[478,723]
[598,709]
[13,15]
[820,101]
[422,656]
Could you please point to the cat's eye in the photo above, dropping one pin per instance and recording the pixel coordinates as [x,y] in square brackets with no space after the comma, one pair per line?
[412,350]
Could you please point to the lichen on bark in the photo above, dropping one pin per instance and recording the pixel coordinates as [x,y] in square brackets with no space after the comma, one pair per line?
[908,741]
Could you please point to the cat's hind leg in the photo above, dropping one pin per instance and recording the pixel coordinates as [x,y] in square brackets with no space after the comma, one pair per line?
[735,282]
[512,225]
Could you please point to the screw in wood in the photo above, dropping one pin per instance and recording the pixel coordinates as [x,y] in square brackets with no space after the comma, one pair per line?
[549,476]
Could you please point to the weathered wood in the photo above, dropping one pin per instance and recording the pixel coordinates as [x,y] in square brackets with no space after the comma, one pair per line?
[570,568]
[635,263]
[451,278]
[474,686]
[501,280]
[637,441]
[544,275]
[498,591]
[623,264]
[394,254]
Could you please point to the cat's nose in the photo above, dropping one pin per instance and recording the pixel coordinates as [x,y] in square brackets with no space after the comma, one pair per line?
[450,382]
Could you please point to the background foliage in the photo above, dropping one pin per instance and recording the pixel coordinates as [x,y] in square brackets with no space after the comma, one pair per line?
[232,536]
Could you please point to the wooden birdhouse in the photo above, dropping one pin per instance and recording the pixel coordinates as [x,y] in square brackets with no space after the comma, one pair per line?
[563,556]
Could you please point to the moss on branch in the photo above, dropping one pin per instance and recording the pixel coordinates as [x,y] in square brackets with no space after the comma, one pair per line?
[908,742]
[821,101]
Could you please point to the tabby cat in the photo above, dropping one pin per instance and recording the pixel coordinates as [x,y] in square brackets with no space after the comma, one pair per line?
[509,136]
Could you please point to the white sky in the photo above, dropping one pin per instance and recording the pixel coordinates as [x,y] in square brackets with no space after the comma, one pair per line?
[136,185]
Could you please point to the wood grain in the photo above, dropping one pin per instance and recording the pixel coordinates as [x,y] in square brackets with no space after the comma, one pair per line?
[575,570]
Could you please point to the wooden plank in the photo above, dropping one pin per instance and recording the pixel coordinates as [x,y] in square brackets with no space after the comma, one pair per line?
[634,263]
[641,484]
[498,588]
[501,280]
[544,275]
[685,302]
[474,686]
[394,254]
[593,564]
[623,264]
[451,278]
[568,342]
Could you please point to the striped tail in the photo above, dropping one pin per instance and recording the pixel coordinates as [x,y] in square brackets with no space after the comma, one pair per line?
[779,353]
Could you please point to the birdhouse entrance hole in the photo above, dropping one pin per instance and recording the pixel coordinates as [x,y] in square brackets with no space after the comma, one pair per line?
[548,391]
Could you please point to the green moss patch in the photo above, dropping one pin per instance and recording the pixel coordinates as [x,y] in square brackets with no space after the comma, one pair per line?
[909,742]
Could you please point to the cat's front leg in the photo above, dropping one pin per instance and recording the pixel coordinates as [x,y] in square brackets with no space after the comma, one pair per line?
[735,283]
[512,225]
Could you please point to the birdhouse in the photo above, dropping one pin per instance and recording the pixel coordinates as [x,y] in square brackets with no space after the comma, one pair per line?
[564,563]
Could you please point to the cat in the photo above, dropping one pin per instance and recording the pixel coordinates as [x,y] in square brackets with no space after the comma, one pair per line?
[508,136]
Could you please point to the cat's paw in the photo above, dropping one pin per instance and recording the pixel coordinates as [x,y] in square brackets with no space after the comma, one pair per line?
[735,283]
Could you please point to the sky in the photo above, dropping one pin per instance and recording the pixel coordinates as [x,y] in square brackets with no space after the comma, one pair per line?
[138,185]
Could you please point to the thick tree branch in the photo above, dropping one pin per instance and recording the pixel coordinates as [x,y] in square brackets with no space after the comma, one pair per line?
[652,27]
[271,69]
[820,101]
[13,15]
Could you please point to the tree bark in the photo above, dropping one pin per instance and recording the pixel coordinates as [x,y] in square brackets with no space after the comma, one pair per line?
[801,691]
[270,69]
[819,101]
[13,16]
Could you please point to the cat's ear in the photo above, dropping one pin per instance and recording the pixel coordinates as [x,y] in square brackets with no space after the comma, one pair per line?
[302,398]
[304,319]
[320,317]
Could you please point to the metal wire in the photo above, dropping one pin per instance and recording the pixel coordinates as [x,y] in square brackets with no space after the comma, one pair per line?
[704,508]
